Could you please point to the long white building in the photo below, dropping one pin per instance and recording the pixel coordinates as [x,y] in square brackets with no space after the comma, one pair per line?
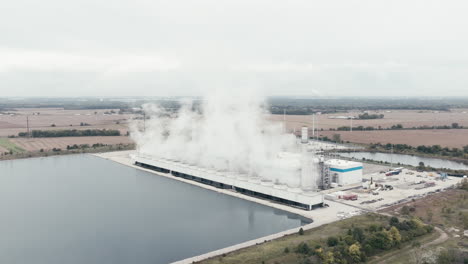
[253,186]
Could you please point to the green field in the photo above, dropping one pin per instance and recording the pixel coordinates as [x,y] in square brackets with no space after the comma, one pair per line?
[7,144]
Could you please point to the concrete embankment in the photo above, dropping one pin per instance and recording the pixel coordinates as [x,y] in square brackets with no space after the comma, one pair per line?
[241,245]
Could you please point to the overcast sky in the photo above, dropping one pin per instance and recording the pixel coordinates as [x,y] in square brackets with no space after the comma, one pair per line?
[165,48]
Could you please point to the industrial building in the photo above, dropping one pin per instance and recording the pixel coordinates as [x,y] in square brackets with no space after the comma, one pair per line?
[241,183]
[344,172]
[315,174]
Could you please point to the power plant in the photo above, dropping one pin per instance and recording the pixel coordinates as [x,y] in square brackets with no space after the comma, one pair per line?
[315,173]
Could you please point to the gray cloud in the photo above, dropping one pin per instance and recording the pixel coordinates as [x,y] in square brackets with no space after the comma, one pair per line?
[377,47]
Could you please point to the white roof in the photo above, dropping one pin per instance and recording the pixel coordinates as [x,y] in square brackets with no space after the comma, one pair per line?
[296,195]
[337,163]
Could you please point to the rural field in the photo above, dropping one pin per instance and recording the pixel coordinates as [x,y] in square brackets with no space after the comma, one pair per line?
[408,118]
[14,122]
[57,118]
[36,144]
[452,138]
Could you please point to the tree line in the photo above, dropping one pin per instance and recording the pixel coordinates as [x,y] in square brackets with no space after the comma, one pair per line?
[397,127]
[71,133]
[373,116]
[434,149]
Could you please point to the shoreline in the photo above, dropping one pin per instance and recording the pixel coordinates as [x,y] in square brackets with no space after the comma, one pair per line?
[318,216]
[51,153]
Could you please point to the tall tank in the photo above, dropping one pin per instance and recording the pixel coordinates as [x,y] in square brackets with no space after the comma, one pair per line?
[304,135]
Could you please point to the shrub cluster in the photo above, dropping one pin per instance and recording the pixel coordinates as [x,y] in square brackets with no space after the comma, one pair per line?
[373,116]
[358,244]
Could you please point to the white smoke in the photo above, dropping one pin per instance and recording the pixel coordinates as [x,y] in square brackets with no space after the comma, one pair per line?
[230,134]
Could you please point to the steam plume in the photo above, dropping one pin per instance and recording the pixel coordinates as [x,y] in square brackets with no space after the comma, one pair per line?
[230,134]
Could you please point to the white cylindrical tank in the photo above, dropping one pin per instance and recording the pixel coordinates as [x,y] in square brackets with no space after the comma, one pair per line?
[304,135]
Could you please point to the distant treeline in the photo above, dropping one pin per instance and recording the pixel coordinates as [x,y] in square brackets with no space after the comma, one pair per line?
[312,105]
[434,149]
[292,110]
[276,105]
[397,127]
[373,116]
[404,148]
[71,133]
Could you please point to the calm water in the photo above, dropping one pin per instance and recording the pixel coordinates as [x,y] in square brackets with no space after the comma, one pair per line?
[407,159]
[84,209]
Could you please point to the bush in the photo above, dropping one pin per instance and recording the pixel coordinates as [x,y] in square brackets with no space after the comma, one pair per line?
[373,116]
[303,248]
[405,210]
[446,257]
[373,228]
[381,240]
[429,228]
[301,231]
[394,221]
[464,184]
[358,234]
[332,241]
[349,240]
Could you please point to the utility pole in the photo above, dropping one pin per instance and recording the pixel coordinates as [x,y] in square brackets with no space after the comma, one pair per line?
[27,126]
[391,159]
[313,126]
[317,127]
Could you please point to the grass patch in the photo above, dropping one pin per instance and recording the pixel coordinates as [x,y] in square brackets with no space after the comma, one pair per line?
[10,146]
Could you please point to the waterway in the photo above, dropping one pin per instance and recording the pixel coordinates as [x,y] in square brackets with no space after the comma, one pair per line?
[406,159]
[85,209]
